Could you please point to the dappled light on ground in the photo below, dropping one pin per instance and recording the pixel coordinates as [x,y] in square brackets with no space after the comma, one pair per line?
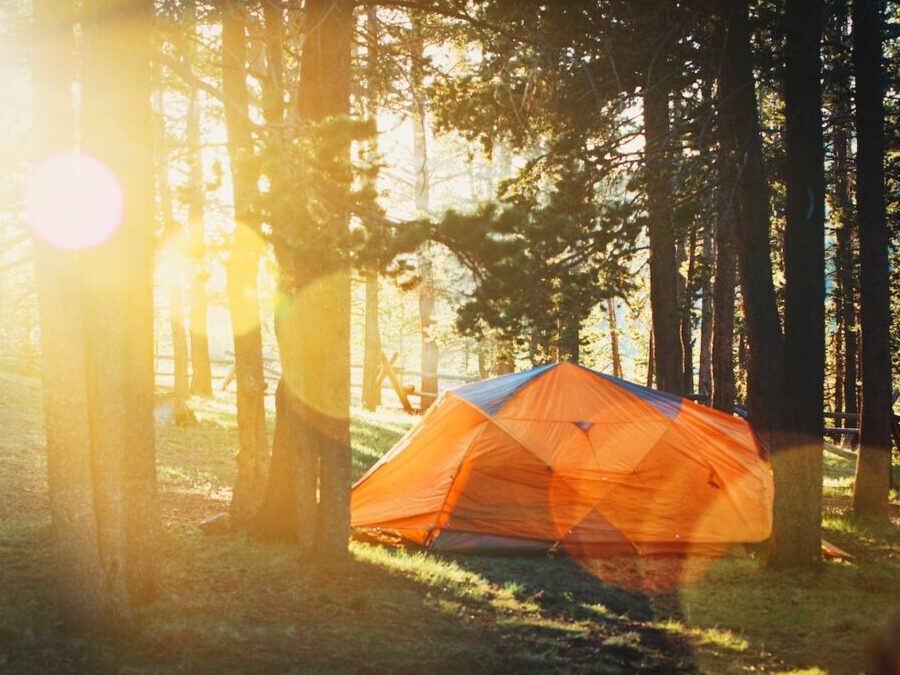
[232,604]
[73,201]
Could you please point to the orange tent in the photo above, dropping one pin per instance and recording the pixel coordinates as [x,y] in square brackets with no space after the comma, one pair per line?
[563,454]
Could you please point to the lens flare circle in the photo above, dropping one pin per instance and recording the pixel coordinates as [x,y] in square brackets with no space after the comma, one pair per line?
[244,288]
[73,201]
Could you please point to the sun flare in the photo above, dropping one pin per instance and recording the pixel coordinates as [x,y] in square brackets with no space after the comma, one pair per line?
[73,201]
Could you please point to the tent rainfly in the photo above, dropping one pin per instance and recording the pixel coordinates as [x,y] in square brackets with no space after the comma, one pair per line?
[563,455]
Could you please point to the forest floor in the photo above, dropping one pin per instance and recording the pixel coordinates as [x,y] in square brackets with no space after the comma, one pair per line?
[231,604]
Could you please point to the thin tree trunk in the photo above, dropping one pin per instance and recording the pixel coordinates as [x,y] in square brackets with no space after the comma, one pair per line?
[426,317]
[181,383]
[181,378]
[846,355]
[242,283]
[201,369]
[663,265]
[723,379]
[371,393]
[687,319]
[569,342]
[273,91]
[614,338]
[798,465]
[505,364]
[704,377]
[873,468]
[371,390]
[845,277]
[765,381]
[429,360]
[651,359]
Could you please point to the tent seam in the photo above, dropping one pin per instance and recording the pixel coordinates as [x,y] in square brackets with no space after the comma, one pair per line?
[430,536]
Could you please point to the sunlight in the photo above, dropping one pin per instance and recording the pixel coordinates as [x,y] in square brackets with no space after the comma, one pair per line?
[171,258]
[73,201]
[247,250]
[292,315]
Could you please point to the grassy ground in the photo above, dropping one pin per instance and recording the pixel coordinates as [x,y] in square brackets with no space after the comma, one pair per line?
[232,604]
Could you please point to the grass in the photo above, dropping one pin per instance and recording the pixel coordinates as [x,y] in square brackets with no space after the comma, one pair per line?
[232,604]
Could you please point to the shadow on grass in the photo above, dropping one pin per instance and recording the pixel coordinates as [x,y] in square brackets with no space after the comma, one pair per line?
[623,626]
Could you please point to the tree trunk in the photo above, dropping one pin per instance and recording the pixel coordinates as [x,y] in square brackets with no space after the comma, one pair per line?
[80,576]
[845,297]
[201,369]
[663,265]
[614,338]
[314,409]
[723,380]
[704,378]
[429,382]
[651,359]
[740,121]
[273,89]
[873,469]
[845,269]
[181,367]
[569,342]
[686,295]
[371,390]
[798,502]
[118,294]
[430,355]
[242,282]
[181,383]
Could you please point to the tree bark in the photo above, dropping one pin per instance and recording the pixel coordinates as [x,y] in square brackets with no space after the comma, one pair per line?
[180,357]
[569,341]
[614,338]
[371,390]
[723,380]
[687,319]
[798,464]
[273,91]
[242,282]
[705,376]
[313,319]
[83,596]
[845,269]
[118,292]
[430,355]
[371,393]
[663,265]
[201,369]
[429,358]
[740,122]
[873,469]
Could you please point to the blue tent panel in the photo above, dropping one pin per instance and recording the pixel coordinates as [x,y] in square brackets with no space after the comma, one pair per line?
[491,395]
[667,404]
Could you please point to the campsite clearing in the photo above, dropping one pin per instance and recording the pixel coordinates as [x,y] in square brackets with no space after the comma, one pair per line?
[234,604]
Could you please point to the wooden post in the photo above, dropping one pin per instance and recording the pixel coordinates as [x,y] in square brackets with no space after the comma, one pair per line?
[387,367]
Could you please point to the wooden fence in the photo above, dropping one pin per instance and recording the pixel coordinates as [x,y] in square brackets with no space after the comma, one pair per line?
[392,379]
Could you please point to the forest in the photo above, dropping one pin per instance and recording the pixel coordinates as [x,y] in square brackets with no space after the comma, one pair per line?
[270,267]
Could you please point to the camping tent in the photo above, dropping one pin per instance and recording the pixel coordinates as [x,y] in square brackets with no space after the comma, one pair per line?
[563,454]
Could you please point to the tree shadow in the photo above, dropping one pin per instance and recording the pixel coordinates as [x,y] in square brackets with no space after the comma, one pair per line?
[624,632]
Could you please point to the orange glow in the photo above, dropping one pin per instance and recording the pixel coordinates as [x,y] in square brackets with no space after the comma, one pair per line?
[73,201]
[575,460]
